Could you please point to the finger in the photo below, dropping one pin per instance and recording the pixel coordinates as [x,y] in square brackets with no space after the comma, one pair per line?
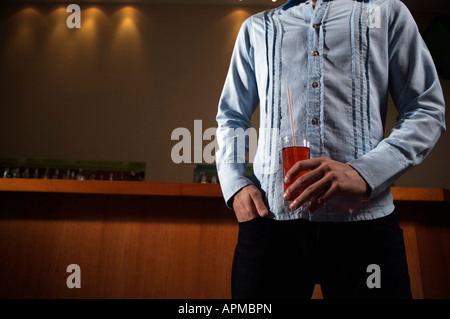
[245,212]
[244,216]
[243,204]
[303,165]
[313,206]
[316,203]
[306,179]
[303,181]
[259,203]
[329,194]
[324,197]
[312,191]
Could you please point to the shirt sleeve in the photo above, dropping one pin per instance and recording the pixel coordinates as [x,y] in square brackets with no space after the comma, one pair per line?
[237,103]
[417,94]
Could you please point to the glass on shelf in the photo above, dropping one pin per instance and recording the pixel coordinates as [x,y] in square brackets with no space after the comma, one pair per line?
[66,175]
[80,175]
[15,173]
[205,174]
[26,173]
[46,172]
[36,173]
[6,173]
[55,174]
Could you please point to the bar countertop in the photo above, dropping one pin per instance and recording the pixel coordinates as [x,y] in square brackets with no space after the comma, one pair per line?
[174,189]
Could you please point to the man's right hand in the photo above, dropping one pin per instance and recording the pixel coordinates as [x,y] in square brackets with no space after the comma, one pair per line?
[248,204]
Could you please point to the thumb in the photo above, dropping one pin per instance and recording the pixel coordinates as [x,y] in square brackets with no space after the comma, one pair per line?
[259,204]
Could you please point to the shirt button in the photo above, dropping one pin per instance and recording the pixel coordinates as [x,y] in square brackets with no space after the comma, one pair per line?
[315,84]
[314,121]
[315,53]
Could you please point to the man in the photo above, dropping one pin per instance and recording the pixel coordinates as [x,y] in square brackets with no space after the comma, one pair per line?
[340,59]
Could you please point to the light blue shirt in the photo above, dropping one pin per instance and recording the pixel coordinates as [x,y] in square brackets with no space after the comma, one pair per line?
[340,60]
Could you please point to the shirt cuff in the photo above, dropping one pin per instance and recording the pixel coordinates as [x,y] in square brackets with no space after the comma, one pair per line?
[380,167]
[231,182]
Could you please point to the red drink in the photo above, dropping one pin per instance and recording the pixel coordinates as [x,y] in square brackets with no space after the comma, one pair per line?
[292,155]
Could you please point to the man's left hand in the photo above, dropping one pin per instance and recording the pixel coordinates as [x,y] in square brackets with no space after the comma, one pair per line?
[324,180]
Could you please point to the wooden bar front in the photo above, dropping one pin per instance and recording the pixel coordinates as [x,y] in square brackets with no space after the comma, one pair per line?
[164,240]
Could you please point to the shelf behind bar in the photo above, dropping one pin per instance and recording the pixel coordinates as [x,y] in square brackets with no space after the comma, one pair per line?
[89,187]
[173,189]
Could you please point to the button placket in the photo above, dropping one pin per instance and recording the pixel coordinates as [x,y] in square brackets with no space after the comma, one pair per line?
[313,86]
[315,80]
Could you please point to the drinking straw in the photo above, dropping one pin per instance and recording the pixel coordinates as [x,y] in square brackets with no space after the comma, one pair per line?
[292,117]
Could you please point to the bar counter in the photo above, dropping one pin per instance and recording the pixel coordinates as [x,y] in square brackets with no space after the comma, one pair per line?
[164,240]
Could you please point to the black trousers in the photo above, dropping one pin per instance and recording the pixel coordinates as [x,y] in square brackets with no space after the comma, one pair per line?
[285,259]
